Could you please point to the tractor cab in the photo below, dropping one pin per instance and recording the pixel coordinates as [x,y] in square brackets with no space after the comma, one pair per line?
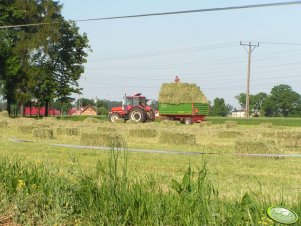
[132,101]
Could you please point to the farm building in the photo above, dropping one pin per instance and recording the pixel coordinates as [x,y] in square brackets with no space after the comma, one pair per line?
[34,111]
[83,111]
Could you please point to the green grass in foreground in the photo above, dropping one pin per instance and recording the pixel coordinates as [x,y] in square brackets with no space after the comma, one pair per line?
[32,194]
[296,122]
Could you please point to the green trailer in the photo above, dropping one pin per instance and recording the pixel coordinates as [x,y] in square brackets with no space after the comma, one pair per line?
[186,113]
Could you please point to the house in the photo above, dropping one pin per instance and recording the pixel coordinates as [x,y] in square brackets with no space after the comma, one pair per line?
[83,111]
[238,114]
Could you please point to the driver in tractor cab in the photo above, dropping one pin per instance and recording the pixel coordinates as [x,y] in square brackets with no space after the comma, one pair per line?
[141,103]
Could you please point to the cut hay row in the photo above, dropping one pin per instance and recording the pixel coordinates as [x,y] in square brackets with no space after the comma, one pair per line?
[43,133]
[145,133]
[205,123]
[106,130]
[229,134]
[180,93]
[177,138]
[26,129]
[289,138]
[170,122]
[91,120]
[257,146]
[3,124]
[69,131]
[4,114]
[266,125]
[98,139]
[231,124]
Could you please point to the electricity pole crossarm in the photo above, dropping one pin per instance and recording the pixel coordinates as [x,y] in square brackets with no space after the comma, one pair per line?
[250,50]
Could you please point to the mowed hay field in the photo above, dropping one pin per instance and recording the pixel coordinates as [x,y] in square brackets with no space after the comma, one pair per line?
[45,184]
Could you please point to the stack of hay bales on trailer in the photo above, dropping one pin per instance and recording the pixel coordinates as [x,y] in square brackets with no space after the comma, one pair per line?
[183,101]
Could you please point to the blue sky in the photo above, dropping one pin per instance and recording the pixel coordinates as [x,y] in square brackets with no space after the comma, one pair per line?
[138,55]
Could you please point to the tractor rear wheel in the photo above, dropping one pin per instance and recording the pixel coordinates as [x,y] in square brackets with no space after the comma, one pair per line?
[137,114]
[188,121]
[113,117]
[150,115]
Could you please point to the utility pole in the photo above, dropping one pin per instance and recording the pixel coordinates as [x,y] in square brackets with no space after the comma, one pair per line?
[250,50]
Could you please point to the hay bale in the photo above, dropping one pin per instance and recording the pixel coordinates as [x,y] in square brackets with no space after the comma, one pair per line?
[177,138]
[4,114]
[26,129]
[229,134]
[69,131]
[43,133]
[3,124]
[145,133]
[91,120]
[106,130]
[97,139]
[230,124]
[258,146]
[180,93]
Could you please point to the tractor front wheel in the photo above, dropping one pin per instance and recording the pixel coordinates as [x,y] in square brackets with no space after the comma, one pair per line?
[114,117]
[150,115]
[137,114]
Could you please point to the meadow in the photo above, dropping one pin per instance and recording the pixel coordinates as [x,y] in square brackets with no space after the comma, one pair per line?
[52,185]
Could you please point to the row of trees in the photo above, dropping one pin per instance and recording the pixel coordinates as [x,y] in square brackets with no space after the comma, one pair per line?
[282,101]
[40,64]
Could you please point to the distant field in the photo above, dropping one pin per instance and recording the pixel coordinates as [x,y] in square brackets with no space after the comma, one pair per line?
[295,122]
[83,186]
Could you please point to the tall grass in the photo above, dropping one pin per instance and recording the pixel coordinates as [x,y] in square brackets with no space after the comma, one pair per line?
[32,194]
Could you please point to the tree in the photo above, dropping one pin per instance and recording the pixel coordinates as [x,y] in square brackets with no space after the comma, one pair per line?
[85,102]
[241,98]
[219,108]
[39,62]
[285,100]
[19,45]
[256,101]
[102,111]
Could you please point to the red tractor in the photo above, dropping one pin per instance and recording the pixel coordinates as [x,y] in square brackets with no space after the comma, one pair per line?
[133,108]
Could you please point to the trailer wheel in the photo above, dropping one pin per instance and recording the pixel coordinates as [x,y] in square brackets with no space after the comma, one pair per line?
[137,114]
[150,115]
[188,121]
[114,116]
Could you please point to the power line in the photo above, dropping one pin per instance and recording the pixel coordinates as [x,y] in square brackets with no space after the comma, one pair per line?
[282,43]
[165,13]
